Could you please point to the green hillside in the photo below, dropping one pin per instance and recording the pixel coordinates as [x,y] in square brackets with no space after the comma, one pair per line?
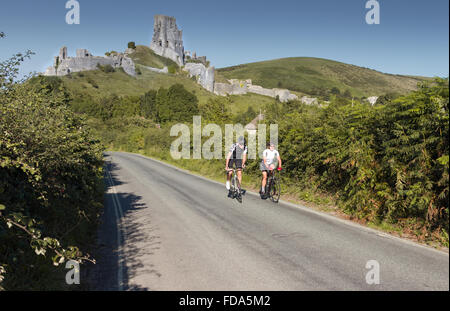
[318,76]
[145,56]
[96,84]
[302,75]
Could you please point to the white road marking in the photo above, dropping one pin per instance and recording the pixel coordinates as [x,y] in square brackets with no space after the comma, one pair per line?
[119,215]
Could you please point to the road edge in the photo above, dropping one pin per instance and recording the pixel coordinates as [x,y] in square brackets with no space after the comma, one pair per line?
[298,206]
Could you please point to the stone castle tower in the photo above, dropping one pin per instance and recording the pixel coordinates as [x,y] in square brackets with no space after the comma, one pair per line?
[168,39]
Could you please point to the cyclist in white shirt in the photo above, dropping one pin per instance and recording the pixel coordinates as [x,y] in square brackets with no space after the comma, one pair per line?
[271,157]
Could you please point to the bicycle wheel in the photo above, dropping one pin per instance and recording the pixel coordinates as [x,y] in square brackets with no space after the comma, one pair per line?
[267,188]
[237,189]
[233,184]
[275,190]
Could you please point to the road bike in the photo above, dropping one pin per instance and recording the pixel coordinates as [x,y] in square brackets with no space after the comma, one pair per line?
[235,186]
[273,186]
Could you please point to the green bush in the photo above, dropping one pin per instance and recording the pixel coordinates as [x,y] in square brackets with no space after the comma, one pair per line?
[138,71]
[92,82]
[173,69]
[106,68]
[386,163]
[50,182]
[175,104]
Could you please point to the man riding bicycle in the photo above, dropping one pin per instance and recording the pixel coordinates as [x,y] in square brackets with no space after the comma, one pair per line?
[268,164]
[236,157]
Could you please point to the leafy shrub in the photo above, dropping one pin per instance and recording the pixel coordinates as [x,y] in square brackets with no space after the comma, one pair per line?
[92,82]
[50,182]
[175,104]
[106,68]
[138,71]
[173,69]
[386,163]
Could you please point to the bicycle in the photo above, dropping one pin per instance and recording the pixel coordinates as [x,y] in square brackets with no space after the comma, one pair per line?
[273,186]
[235,185]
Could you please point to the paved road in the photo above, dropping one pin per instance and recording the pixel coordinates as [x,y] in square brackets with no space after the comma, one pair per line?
[165,229]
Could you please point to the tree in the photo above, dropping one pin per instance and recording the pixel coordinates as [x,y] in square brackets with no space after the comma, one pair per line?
[347,94]
[216,111]
[175,104]
[132,45]
[386,98]
[246,117]
[106,68]
[335,91]
[148,105]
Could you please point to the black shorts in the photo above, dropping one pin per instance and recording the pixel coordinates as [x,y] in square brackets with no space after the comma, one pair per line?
[263,168]
[236,162]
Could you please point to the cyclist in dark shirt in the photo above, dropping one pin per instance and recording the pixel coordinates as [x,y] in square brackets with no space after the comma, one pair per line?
[237,157]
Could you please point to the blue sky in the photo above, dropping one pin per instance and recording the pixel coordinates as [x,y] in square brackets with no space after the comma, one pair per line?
[412,37]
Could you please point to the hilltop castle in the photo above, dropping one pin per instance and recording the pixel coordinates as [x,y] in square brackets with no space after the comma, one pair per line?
[167,39]
[167,42]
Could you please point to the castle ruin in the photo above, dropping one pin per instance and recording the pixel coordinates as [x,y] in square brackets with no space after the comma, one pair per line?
[63,64]
[167,39]
[167,42]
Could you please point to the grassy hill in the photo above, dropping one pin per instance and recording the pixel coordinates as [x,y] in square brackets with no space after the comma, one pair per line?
[96,84]
[145,56]
[315,75]
[302,75]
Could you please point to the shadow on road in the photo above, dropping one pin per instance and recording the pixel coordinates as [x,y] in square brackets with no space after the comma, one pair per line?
[104,275]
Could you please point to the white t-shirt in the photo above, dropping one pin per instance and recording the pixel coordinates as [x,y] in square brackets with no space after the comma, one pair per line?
[271,156]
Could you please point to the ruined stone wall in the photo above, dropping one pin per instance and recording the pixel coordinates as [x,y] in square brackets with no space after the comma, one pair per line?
[224,89]
[164,70]
[240,87]
[309,100]
[85,61]
[205,76]
[167,39]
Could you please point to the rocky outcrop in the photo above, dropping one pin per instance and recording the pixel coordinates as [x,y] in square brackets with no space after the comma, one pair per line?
[126,63]
[64,64]
[309,100]
[167,39]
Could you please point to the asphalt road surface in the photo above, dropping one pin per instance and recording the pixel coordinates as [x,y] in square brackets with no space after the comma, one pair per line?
[165,229]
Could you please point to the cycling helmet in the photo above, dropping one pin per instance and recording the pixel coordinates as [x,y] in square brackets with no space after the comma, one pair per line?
[241,140]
